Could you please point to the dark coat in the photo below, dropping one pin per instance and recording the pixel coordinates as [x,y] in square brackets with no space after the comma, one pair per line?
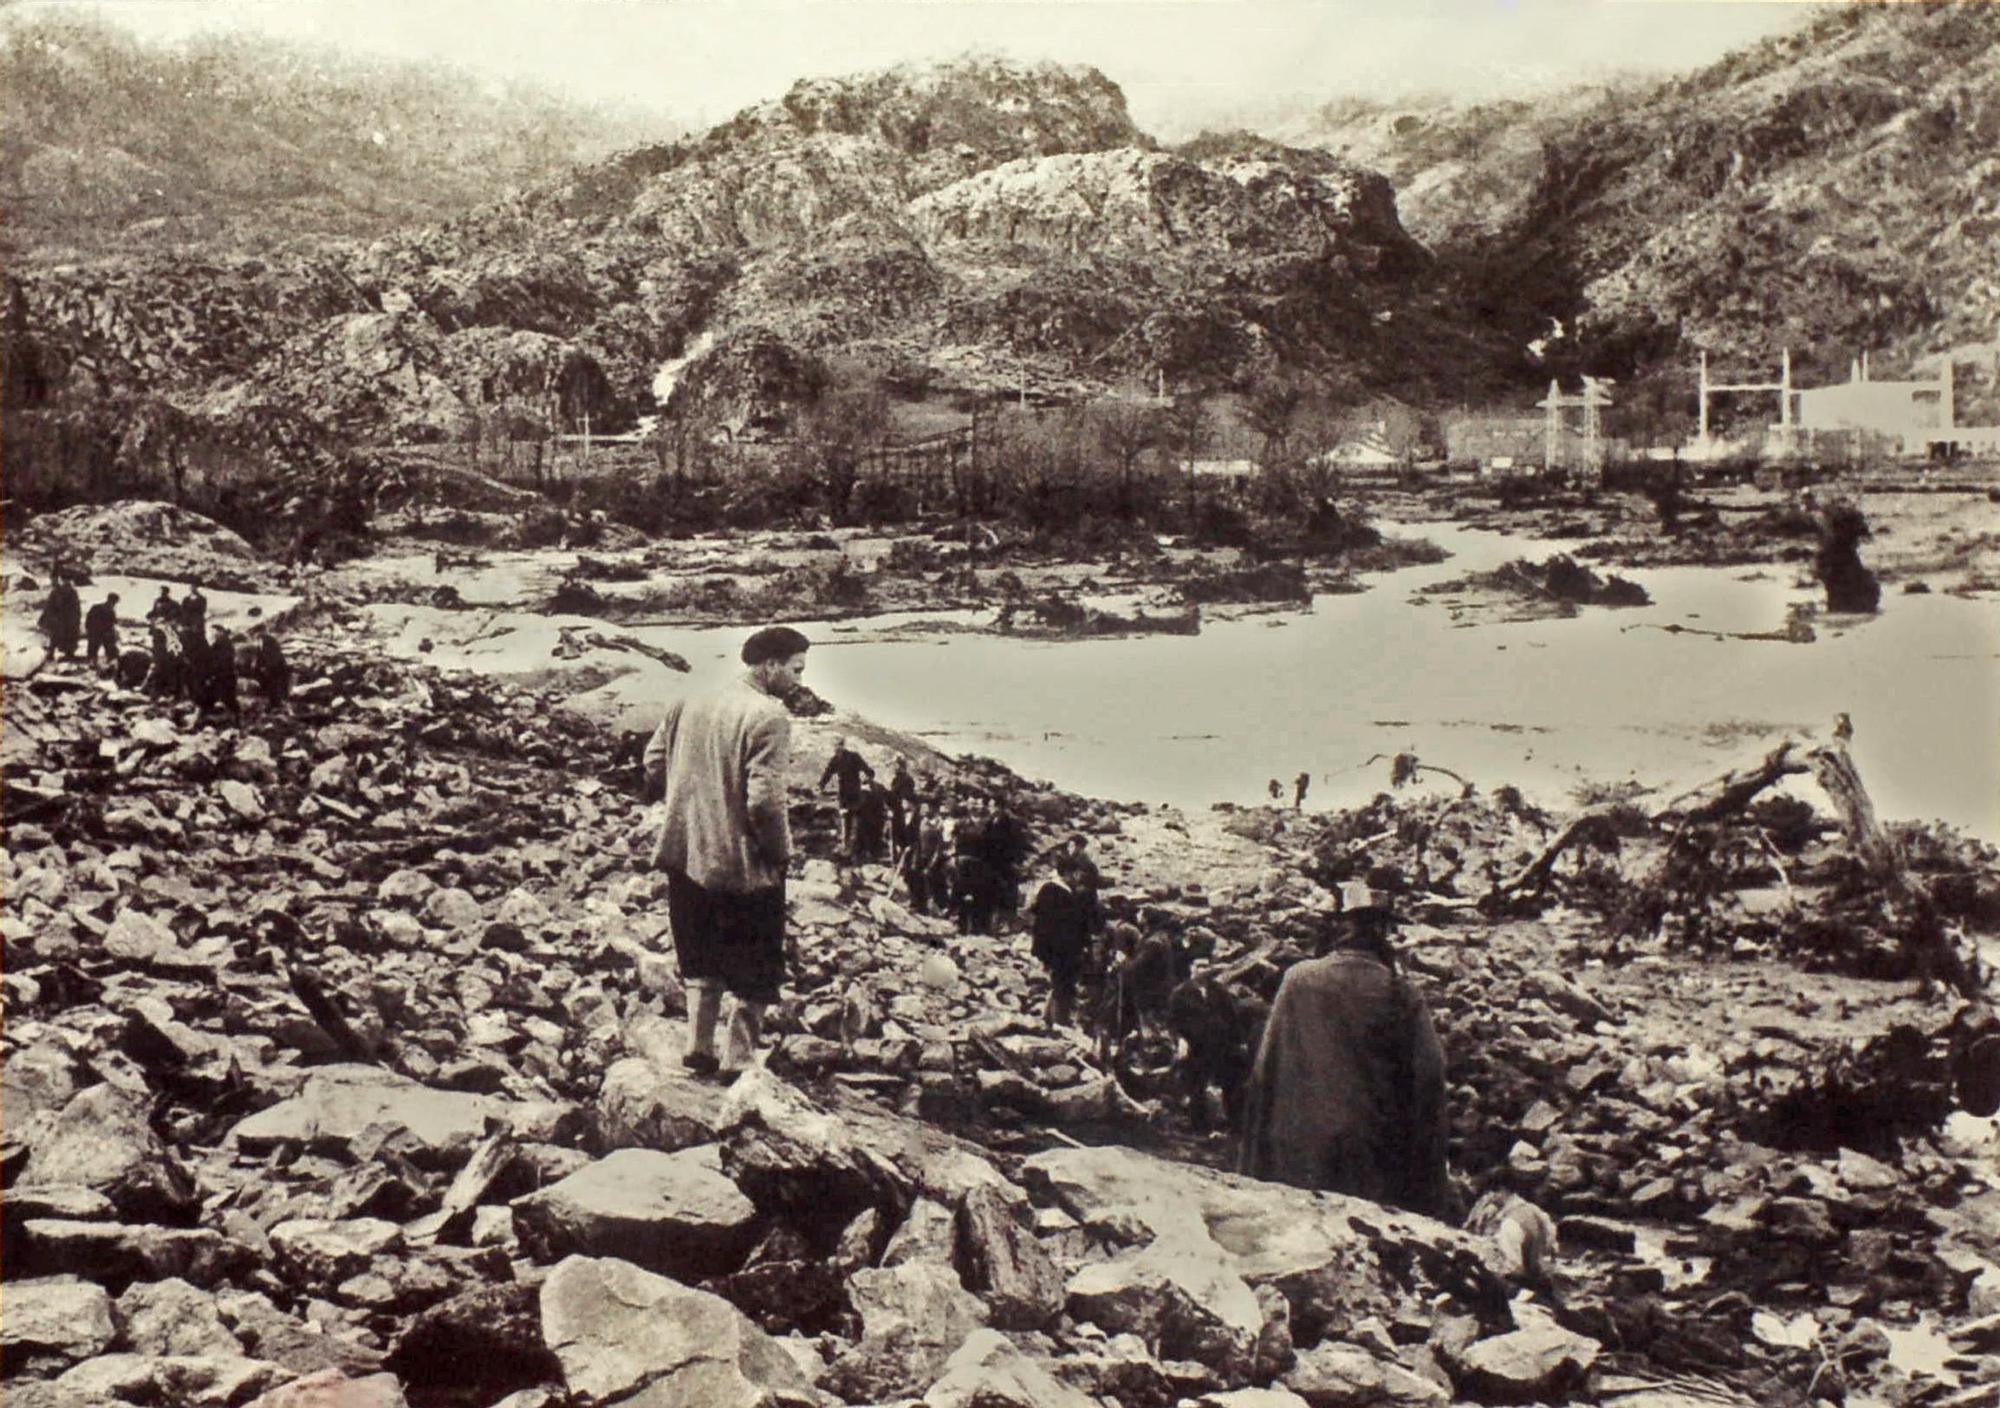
[101,623]
[1348,1091]
[846,768]
[1060,924]
[62,617]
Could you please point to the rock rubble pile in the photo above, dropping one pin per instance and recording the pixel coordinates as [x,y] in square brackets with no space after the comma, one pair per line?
[336,1074]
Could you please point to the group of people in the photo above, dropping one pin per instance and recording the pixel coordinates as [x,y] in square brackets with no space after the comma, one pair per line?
[188,657]
[1338,1086]
[1329,1067]
[64,623]
[1300,786]
[956,853]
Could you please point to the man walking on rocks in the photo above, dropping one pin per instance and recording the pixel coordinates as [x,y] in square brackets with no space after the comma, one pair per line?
[100,632]
[1347,1094]
[846,769]
[721,762]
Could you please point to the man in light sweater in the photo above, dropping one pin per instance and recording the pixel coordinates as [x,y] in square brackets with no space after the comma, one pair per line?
[721,761]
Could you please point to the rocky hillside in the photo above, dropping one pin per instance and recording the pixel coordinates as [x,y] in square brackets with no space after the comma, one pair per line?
[109,144]
[986,227]
[972,227]
[1833,189]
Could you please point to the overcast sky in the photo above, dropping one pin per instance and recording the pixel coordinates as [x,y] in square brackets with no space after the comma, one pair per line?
[1181,62]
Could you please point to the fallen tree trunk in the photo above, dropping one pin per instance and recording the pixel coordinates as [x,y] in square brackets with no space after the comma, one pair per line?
[1711,801]
[1734,790]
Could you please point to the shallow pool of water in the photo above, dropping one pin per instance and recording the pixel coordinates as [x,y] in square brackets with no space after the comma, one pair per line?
[1606,696]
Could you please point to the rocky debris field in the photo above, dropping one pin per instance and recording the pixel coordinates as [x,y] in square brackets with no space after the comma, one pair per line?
[341,1068]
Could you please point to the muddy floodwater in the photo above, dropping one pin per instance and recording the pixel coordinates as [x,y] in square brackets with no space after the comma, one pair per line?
[1547,705]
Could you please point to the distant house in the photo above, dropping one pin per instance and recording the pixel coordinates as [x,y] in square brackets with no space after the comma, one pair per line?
[1911,415]
[1225,469]
[1367,450]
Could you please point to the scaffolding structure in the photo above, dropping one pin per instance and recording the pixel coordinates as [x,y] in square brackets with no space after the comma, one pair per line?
[1592,400]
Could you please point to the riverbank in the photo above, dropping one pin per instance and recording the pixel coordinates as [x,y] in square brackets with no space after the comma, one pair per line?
[389,973]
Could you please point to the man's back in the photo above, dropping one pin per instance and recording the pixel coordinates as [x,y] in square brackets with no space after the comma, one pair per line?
[1348,1092]
[724,758]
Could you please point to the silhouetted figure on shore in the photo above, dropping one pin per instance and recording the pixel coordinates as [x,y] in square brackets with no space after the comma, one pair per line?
[1849,585]
[270,669]
[62,616]
[100,629]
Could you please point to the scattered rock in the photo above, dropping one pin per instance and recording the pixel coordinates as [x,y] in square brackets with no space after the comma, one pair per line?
[672,1213]
[999,1258]
[913,1318]
[1540,1362]
[1332,1375]
[102,1140]
[172,1317]
[623,1335]
[989,1371]
[55,1320]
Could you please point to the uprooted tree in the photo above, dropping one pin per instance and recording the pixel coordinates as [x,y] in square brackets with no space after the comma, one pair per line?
[1873,916]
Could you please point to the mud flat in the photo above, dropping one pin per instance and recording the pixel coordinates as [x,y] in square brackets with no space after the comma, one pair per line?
[1944,535]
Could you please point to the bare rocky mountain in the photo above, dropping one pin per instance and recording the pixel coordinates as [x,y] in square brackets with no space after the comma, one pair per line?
[985,227]
[109,144]
[976,227]
[1833,189]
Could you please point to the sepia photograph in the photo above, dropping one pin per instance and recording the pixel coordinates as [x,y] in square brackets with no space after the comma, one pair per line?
[1000,703]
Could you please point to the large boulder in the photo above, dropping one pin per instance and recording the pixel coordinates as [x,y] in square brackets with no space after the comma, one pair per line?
[479,1346]
[1334,1375]
[626,1336]
[643,1104]
[1180,1294]
[913,1318]
[800,1162]
[672,1213]
[203,1381]
[118,1253]
[323,1252]
[989,1371]
[172,1317]
[1000,1259]
[55,1320]
[340,1104]
[102,1140]
[1538,1362]
[1338,1261]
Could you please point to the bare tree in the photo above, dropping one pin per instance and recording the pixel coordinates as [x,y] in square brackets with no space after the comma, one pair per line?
[1189,428]
[1270,410]
[1124,431]
[839,430]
